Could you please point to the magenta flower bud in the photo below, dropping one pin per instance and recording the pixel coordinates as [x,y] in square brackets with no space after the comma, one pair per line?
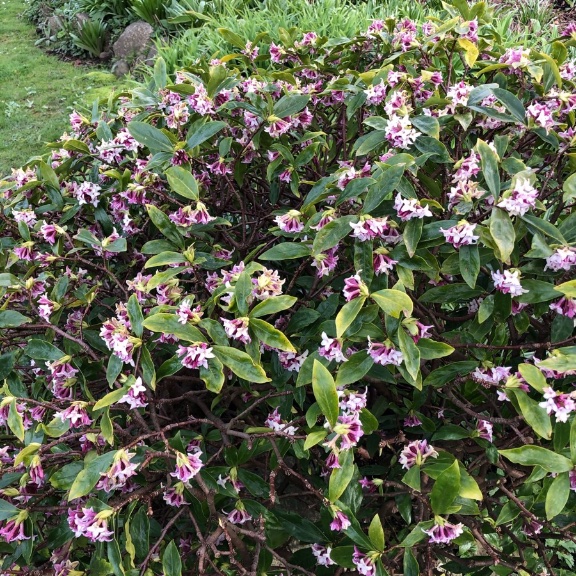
[13,530]
[484,429]
[354,287]
[340,522]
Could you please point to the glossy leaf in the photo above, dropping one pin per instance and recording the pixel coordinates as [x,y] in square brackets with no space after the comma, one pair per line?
[324,389]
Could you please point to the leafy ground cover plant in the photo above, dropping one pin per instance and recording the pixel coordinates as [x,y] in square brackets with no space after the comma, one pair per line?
[305,320]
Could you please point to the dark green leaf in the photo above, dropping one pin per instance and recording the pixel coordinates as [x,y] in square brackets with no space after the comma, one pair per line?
[140,531]
[270,336]
[536,416]
[348,314]
[502,231]
[328,236]
[165,225]
[42,350]
[213,376]
[538,456]
[354,369]
[171,561]
[168,324]
[386,184]
[444,374]
[557,495]
[450,293]
[272,306]
[241,364]
[290,104]
[12,319]
[183,182]
[204,132]
[469,264]
[410,352]
[286,251]
[341,477]
[489,162]
[324,389]
[445,489]
[89,476]
[243,292]
[153,138]
[411,567]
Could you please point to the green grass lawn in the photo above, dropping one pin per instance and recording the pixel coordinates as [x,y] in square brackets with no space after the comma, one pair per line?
[38,91]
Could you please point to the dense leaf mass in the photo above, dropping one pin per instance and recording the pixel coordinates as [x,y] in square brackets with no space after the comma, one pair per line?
[305,309]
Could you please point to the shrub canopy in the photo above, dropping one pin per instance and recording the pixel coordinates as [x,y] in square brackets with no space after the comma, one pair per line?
[303,309]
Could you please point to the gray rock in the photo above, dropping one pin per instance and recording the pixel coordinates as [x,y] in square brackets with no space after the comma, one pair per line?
[134,43]
[80,19]
[120,68]
[53,25]
[105,55]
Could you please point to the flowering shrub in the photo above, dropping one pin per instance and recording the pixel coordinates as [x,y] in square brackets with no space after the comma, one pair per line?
[302,321]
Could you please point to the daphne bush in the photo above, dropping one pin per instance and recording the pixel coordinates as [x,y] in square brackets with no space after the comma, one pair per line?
[307,309]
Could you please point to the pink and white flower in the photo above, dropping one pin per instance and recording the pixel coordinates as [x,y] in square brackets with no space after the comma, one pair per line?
[444,532]
[382,263]
[416,453]
[364,564]
[87,193]
[292,361]
[562,259]
[187,465]
[485,430]
[195,356]
[331,349]
[86,522]
[521,198]
[290,222]
[565,307]
[559,404]
[409,208]
[400,133]
[460,235]
[508,282]
[237,329]
[322,555]
[187,314]
[268,284]
[136,395]
[239,515]
[340,522]
[384,353]
[121,470]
